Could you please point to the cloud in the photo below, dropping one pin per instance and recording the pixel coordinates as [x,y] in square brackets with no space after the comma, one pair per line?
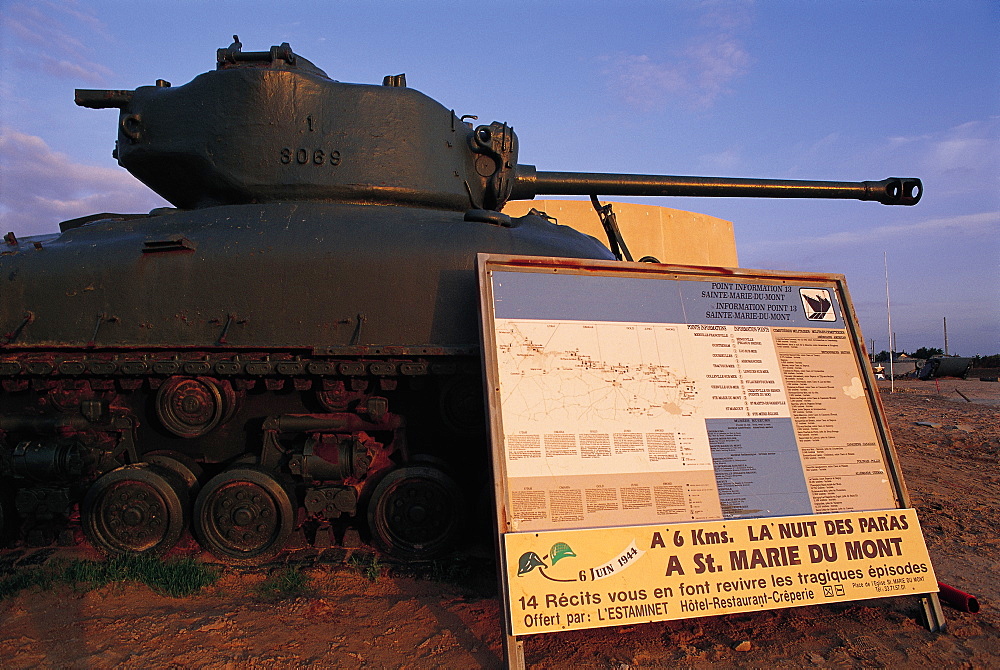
[41,187]
[42,36]
[696,74]
[696,77]
[75,10]
[966,226]
[643,83]
[74,71]
[968,148]
[725,14]
[715,62]
[936,268]
[960,160]
[809,155]
[723,161]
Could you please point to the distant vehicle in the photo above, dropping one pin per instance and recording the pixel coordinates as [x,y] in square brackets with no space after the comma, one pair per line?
[945,366]
[905,367]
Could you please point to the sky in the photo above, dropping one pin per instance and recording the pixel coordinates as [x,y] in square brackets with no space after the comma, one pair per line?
[851,90]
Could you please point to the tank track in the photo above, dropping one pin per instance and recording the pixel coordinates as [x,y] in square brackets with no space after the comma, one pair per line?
[17,370]
[137,448]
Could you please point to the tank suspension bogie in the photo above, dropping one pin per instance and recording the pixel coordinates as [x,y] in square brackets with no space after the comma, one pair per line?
[132,449]
[332,457]
[52,461]
[360,465]
[325,447]
[334,454]
[65,447]
[52,451]
[184,467]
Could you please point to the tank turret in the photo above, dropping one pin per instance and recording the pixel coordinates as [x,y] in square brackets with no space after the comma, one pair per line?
[270,126]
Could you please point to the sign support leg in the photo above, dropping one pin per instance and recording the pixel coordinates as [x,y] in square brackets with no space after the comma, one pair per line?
[513,653]
[933,615]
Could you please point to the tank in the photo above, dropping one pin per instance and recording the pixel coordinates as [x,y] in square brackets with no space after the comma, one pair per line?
[294,346]
[945,366]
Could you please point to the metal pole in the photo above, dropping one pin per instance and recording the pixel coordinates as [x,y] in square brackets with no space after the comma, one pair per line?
[888,314]
[945,335]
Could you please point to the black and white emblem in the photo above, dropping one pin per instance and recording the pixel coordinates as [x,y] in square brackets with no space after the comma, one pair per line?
[817,304]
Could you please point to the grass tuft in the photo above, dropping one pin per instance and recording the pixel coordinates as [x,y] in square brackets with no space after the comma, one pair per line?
[288,582]
[367,564]
[13,583]
[475,575]
[176,578]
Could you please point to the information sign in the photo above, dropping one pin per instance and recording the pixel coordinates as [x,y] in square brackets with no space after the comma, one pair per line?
[572,579]
[633,404]
[637,399]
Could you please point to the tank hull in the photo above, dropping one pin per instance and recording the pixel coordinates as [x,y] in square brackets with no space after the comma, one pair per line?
[320,357]
[312,276]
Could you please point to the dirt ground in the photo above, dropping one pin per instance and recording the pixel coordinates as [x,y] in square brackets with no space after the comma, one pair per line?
[347,619]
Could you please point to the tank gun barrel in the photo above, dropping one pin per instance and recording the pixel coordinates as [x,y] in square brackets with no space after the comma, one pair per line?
[98,99]
[529,183]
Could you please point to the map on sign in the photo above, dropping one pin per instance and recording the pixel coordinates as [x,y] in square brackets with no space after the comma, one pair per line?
[627,400]
[590,373]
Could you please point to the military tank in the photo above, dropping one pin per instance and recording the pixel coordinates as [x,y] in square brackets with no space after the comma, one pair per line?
[295,344]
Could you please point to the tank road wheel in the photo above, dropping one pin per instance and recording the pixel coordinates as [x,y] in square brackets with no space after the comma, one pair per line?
[185,467]
[415,513]
[192,407]
[462,406]
[139,508]
[243,515]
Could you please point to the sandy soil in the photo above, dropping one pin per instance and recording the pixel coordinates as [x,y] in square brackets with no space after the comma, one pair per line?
[348,620]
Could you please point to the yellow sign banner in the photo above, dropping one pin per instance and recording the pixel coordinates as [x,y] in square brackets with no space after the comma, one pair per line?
[589,578]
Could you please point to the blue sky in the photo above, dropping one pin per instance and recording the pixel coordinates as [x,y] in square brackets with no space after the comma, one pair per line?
[845,90]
